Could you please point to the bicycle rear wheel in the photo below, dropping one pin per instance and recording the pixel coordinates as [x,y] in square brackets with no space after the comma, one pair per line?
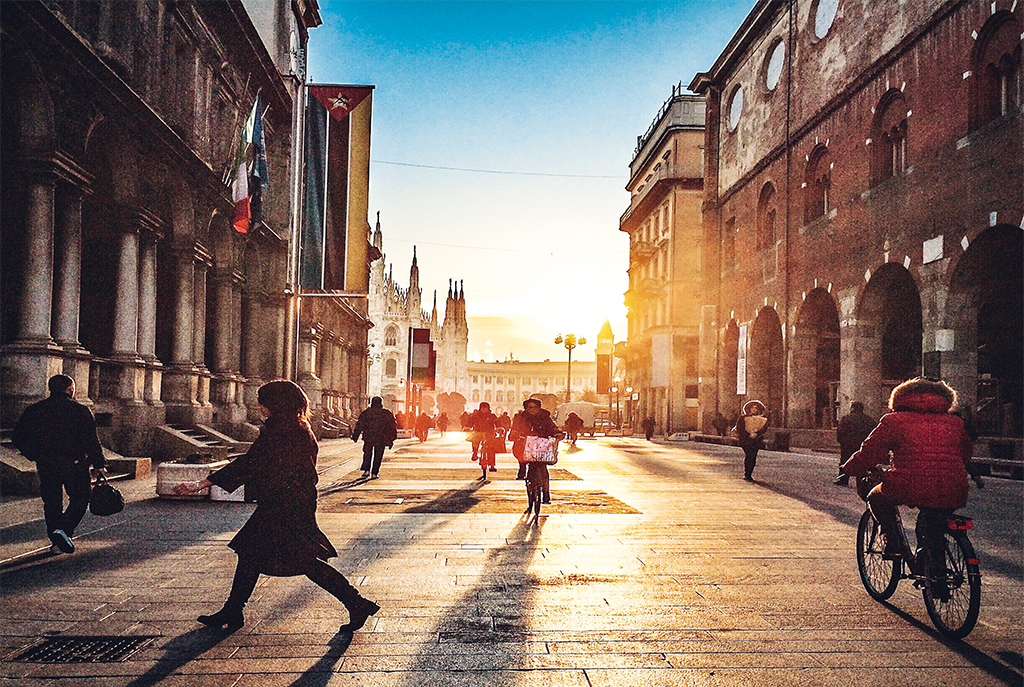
[879,576]
[952,594]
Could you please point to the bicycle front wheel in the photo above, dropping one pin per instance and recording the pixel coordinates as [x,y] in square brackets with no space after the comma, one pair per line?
[879,576]
[952,594]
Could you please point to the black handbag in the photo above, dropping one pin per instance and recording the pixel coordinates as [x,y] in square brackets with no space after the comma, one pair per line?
[105,498]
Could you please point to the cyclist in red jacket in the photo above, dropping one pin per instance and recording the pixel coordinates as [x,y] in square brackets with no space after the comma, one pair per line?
[931,455]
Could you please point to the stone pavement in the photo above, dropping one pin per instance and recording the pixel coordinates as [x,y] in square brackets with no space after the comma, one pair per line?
[655,565]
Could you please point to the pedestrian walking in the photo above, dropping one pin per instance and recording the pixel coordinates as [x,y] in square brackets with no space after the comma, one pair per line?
[485,427]
[536,422]
[853,429]
[648,425]
[59,435]
[281,538]
[750,429]
[423,425]
[379,430]
[573,426]
[442,423]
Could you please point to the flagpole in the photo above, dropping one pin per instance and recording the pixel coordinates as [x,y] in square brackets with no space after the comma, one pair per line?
[291,348]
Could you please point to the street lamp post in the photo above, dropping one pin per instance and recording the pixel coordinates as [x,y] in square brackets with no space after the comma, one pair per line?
[615,390]
[570,342]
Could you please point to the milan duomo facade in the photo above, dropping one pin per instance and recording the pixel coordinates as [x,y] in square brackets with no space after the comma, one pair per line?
[394,310]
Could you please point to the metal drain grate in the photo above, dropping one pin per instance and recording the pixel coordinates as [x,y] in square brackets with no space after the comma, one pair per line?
[68,649]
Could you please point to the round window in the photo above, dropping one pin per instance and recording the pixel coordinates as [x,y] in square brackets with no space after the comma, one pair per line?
[824,16]
[735,107]
[773,67]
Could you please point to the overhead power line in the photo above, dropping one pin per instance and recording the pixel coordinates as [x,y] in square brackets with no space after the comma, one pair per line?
[494,171]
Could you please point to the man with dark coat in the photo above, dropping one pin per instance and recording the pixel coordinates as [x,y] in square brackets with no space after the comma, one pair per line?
[377,426]
[59,435]
[853,429]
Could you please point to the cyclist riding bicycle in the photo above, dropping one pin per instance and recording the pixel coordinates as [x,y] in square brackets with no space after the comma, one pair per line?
[930,458]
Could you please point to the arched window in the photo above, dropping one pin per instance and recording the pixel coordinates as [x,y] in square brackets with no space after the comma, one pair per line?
[487,395]
[817,184]
[391,336]
[997,69]
[476,395]
[766,216]
[499,397]
[390,367]
[889,138]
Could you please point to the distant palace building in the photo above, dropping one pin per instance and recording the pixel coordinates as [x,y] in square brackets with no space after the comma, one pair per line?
[863,205]
[393,310]
[505,385]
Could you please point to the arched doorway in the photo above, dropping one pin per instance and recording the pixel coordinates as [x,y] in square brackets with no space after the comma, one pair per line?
[889,332]
[985,313]
[814,368]
[765,364]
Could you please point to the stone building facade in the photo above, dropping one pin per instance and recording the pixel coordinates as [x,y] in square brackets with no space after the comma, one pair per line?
[120,264]
[863,208]
[393,310]
[664,298]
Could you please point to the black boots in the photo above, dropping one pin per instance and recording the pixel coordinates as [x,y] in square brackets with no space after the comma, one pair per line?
[226,617]
[358,613]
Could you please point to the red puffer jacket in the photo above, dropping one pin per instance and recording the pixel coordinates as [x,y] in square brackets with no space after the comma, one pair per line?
[930,452]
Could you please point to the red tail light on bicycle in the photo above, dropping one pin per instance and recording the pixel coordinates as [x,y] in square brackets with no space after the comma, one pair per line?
[960,524]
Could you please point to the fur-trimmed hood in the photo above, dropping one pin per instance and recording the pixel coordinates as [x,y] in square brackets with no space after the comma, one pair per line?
[923,396]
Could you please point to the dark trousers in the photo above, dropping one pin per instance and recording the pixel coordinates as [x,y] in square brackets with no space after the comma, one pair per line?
[373,454]
[750,459]
[53,482]
[247,574]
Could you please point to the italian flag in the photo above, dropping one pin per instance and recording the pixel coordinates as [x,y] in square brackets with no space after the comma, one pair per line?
[240,181]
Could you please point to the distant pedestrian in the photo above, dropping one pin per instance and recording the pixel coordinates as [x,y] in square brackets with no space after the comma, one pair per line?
[423,425]
[573,426]
[379,430]
[281,538]
[442,423]
[505,423]
[750,429]
[485,427]
[853,429]
[720,423]
[648,425]
[534,421]
[58,434]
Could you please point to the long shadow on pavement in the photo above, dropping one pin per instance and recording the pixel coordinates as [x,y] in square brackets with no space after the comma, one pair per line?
[997,670]
[505,582]
[178,652]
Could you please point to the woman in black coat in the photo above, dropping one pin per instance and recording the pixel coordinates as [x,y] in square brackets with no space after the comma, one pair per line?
[281,538]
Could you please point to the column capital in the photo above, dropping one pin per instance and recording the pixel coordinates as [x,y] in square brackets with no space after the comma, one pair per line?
[202,254]
[54,168]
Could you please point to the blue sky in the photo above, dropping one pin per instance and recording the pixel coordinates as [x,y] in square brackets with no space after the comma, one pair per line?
[546,99]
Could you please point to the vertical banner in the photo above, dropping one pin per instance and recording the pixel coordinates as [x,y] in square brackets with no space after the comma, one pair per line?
[337,132]
[311,259]
[421,355]
[661,354]
[741,362]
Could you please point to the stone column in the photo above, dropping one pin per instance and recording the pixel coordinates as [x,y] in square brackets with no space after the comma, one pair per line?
[67,273]
[147,298]
[200,269]
[126,294]
[223,320]
[147,316]
[67,284]
[37,288]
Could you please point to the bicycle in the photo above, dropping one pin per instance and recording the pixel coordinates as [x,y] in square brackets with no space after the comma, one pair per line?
[945,567]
